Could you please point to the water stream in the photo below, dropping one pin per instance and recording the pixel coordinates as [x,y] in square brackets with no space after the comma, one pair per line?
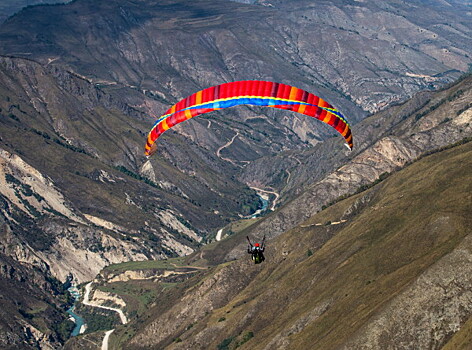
[79,321]
[265,203]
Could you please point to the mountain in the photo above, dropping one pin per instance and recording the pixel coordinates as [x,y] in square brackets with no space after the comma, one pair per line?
[370,53]
[386,268]
[10,7]
[148,54]
[81,84]
[71,201]
[386,265]
[68,156]
[388,140]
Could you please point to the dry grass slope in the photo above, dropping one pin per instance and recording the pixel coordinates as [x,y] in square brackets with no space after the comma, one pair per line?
[323,285]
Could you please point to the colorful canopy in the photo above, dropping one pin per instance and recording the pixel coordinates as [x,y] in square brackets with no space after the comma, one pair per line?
[249,92]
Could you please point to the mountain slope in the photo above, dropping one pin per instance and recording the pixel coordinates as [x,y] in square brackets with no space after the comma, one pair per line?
[359,56]
[148,54]
[76,193]
[387,140]
[72,200]
[394,274]
[32,303]
[68,164]
[174,48]
[9,7]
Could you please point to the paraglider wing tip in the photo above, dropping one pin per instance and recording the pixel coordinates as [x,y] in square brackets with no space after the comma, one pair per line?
[148,152]
[348,147]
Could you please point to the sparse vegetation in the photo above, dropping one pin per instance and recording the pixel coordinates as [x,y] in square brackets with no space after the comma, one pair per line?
[366,262]
[224,345]
[385,175]
[99,319]
[44,101]
[128,172]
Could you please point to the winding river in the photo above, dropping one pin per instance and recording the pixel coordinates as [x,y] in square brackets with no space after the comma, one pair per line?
[79,321]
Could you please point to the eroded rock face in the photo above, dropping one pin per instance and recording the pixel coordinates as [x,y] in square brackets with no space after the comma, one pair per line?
[72,244]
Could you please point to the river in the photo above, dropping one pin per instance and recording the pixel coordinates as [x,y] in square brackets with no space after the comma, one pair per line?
[79,321]
[265,203]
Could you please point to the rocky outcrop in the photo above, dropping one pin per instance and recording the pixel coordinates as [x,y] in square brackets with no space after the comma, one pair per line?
[71,244]
[109,299]
[29,190]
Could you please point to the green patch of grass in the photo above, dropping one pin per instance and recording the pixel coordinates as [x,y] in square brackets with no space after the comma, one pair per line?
[235,342]
[146,265]
[138,295]
[167,285]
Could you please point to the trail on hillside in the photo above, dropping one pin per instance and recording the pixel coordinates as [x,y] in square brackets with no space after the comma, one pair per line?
[88,302]
[105,339]
[289,174]
[227,144]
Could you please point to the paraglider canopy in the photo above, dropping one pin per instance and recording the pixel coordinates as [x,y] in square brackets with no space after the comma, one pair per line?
[249,92]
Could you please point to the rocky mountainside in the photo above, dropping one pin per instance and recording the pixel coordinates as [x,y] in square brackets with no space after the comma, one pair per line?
[360,56]
[370,53]
[404,232]
[387,140]
[32,303]
[148,54]
[69,153]
[386,268]
[80,85]
[72,201]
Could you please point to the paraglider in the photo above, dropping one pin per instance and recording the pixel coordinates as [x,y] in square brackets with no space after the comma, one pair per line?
[249,92]
[256,250]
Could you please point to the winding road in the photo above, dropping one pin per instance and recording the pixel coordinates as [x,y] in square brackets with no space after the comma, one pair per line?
[86,301]
[227,144]
[106,338]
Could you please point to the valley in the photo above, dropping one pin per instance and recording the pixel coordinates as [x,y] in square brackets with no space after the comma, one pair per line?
[324,249]
[367,248]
